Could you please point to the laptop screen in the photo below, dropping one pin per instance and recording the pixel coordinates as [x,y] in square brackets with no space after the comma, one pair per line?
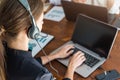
[94,35]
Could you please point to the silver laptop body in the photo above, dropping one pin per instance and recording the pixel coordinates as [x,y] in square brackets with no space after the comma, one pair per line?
[93,37]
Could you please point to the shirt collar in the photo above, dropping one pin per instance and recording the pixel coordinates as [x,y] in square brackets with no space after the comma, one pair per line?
[11,51]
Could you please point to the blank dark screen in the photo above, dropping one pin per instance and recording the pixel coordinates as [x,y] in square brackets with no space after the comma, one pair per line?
[94,35]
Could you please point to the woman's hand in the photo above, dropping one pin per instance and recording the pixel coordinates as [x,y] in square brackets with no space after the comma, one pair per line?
[64,51]
[76,60]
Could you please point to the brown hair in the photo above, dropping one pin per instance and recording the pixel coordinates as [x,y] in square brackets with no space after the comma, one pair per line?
[13,19]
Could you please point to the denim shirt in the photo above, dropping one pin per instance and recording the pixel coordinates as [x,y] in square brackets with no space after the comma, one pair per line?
[22,66]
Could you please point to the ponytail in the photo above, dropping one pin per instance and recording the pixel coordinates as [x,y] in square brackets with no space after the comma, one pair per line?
[2,61]
[2,52]
[2,58]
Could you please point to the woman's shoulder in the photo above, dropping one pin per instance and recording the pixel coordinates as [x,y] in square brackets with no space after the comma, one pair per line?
[26,67]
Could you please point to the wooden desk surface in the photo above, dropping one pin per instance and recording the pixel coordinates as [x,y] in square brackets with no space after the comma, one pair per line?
[63,31]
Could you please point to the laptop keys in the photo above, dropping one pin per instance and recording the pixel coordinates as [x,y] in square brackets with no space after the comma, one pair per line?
[90,60]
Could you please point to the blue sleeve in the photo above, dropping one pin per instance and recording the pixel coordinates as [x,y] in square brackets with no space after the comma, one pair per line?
[46,76]
[39,60]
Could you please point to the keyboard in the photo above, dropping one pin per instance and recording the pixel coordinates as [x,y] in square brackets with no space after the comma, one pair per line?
[90,60]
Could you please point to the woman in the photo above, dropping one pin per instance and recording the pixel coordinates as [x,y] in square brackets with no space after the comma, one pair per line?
[15,23]
[112,5]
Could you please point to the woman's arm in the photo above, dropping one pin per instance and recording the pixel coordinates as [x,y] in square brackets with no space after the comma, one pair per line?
[62,53]
[110,4]
[76,60]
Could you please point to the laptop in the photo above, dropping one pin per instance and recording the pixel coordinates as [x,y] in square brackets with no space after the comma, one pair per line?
[72,9]
[95,39]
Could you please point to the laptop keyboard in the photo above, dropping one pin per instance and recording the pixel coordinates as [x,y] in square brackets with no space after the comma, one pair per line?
[90,60]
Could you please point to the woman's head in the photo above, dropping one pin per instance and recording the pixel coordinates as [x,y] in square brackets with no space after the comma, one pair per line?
[14,18]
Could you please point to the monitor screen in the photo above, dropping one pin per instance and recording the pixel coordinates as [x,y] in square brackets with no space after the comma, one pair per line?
[94,35]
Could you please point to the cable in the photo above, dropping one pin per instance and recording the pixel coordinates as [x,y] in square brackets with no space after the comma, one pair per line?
[100,77]
[102,69]
[105,72]
[46,57]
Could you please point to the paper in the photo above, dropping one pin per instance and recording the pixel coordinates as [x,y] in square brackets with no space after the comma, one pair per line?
[43,41]
[55,14]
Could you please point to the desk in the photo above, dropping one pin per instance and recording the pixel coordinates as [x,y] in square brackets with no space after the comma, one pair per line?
[63,32]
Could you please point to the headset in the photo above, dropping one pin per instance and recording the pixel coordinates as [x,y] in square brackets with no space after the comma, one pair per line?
[33,31]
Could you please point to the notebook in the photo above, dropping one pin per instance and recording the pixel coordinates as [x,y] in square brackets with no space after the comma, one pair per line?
[95,39]
[43,41]
[55,14]
[72,9]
